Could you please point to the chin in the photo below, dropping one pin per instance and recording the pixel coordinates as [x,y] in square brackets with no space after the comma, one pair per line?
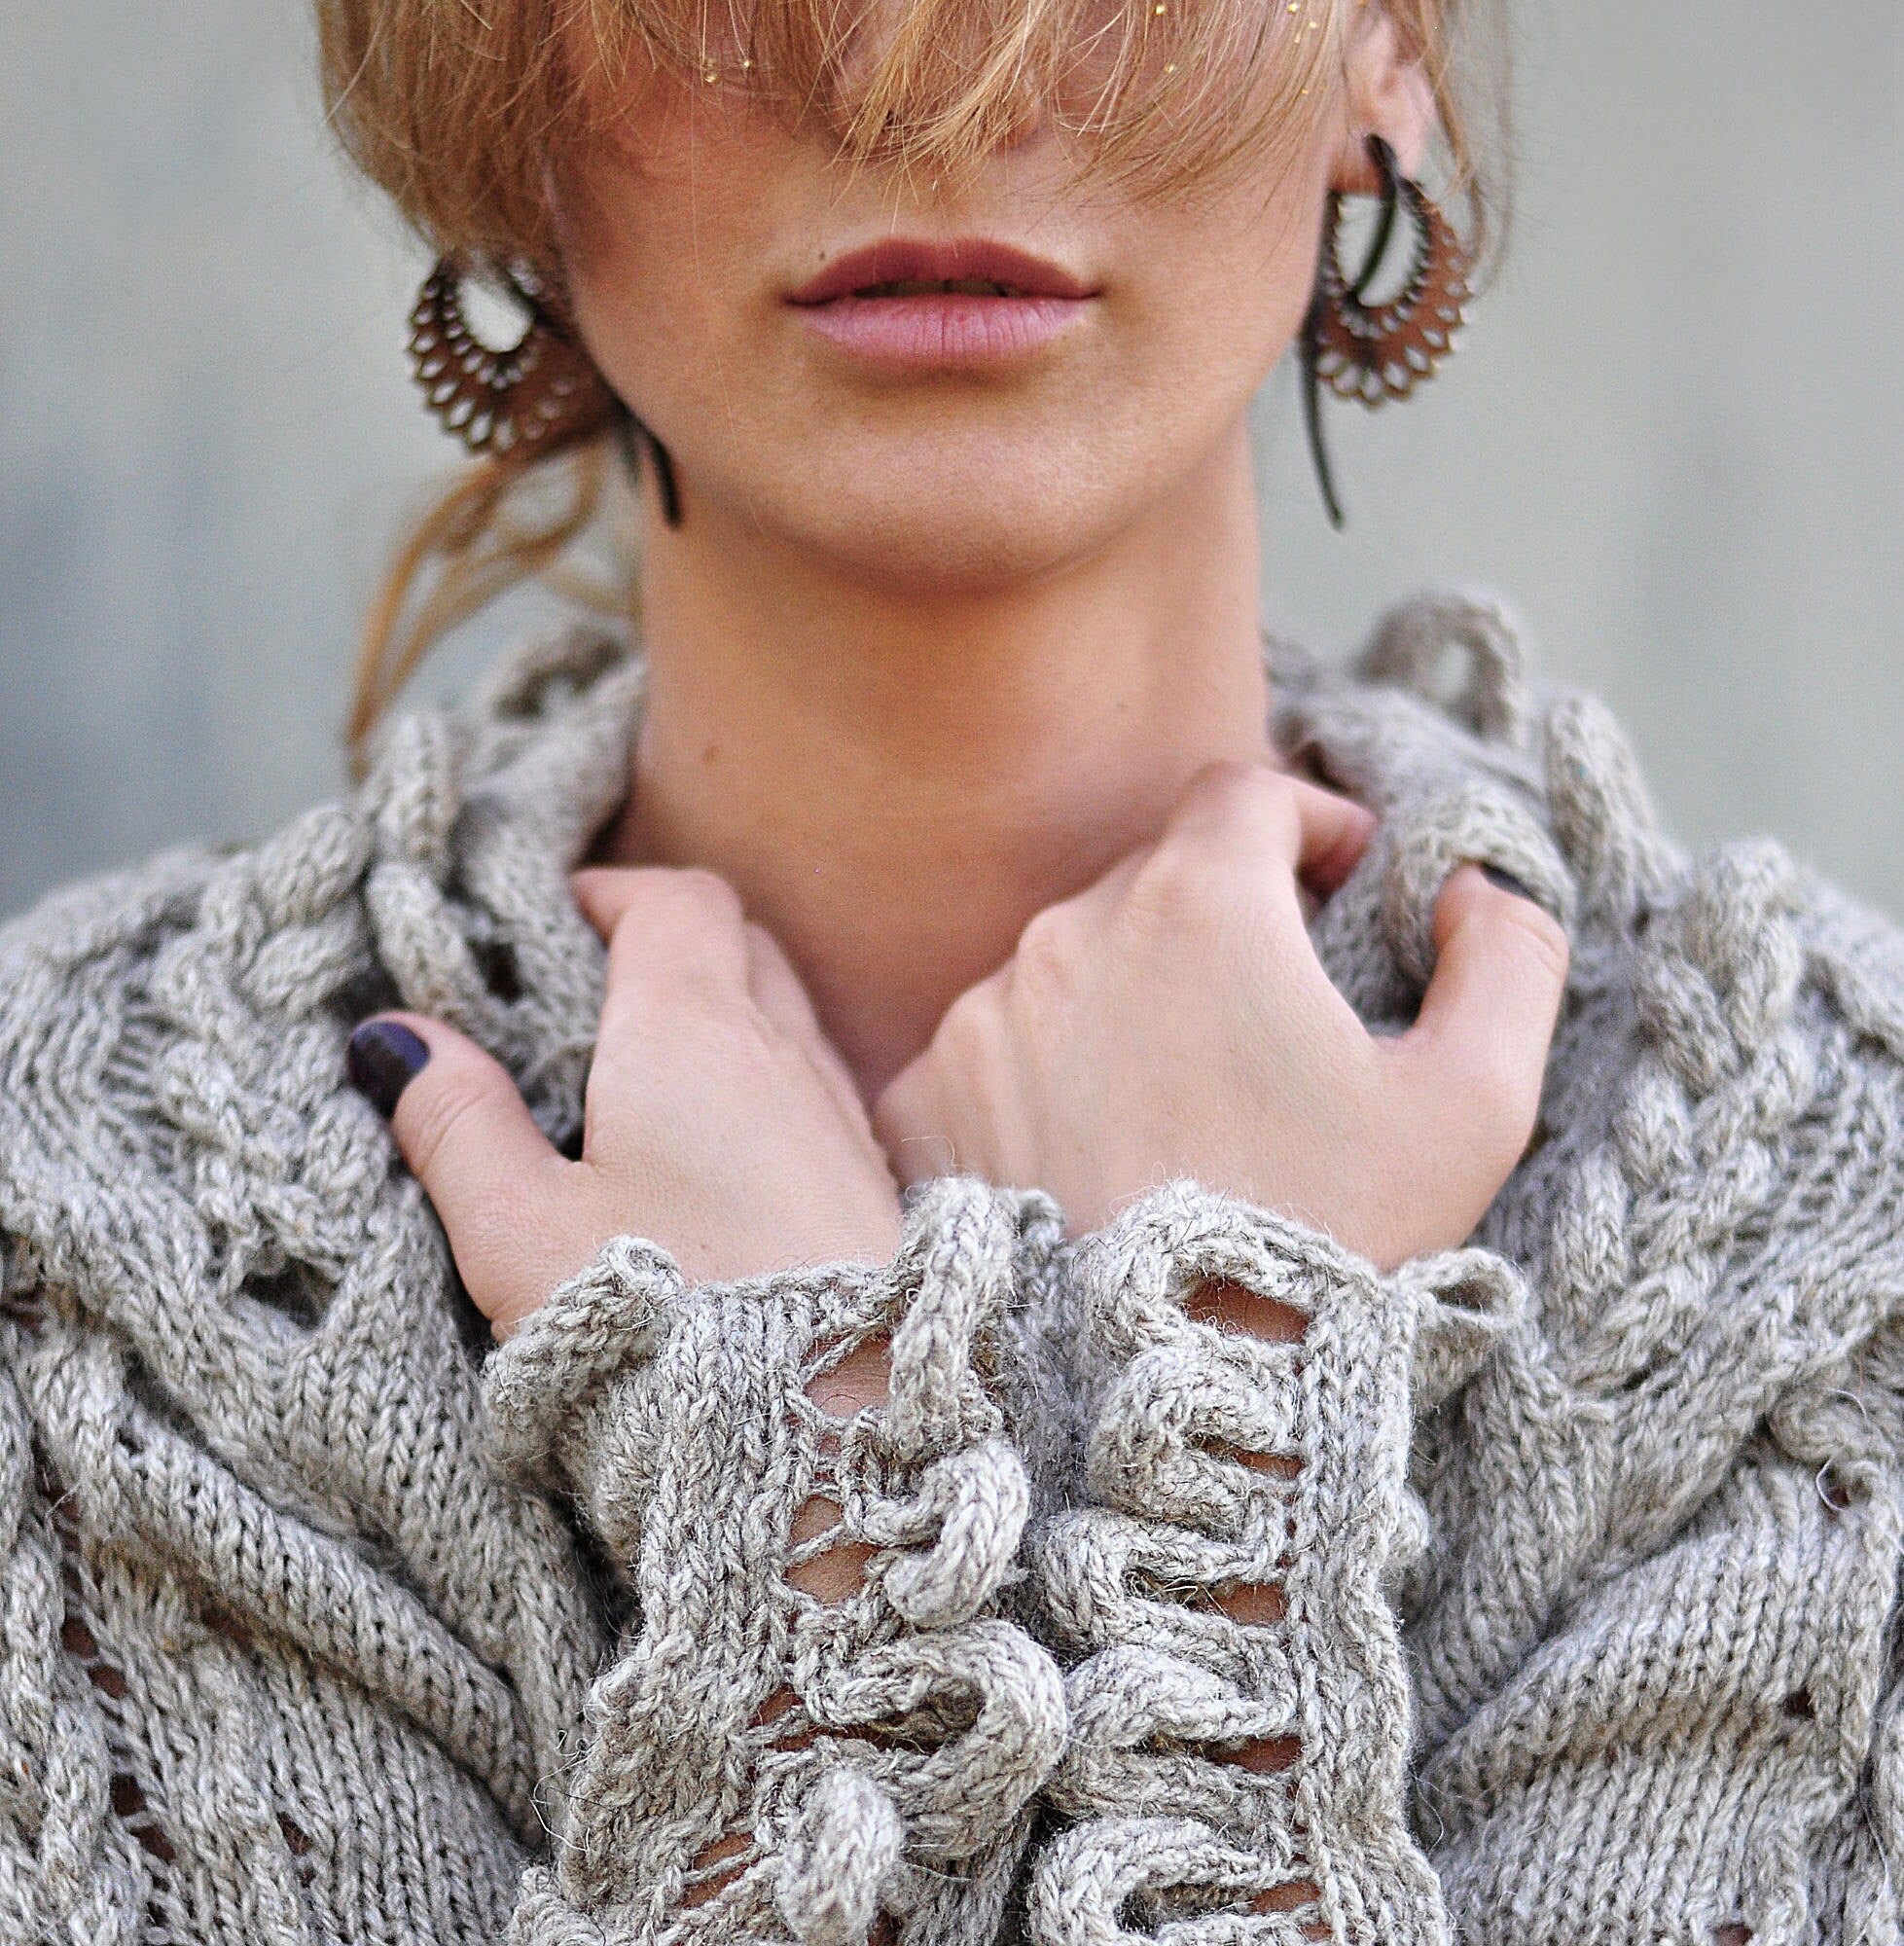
[932,516]
[949,543]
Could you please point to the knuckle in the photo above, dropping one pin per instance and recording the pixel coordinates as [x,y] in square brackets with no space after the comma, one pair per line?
[1241,809]
[1176,886]
[1245,791]
[683,934]
[443,1120]
[674,894]
[966,1032]
[1501,1088]
[1044,957]
[707,891]
[1229,781]
[1543,938]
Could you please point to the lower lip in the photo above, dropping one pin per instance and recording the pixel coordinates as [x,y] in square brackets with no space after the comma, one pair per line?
[943,332]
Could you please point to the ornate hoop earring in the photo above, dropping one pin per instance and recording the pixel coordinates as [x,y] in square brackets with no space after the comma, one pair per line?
[540,394]
[1377,352]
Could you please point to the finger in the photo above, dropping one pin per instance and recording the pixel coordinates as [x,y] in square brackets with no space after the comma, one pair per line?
[670,932]
[910,1123]
[604,892]
[470,1140]
[659,912]
[782,996]
[1250,813]
[1487,1017]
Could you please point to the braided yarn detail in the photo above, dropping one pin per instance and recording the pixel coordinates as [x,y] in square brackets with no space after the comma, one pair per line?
[271,1630]
[314,1626]
[1655,1645]
[1215,1460]
[916,1722]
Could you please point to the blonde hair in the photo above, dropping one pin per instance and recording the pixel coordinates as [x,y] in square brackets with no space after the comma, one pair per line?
[465,111]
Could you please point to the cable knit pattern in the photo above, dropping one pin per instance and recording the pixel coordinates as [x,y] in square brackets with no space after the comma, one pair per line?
[1654,1641]
[321,1621]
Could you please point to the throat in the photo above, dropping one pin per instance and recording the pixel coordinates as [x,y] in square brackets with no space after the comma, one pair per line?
[898,869]
[896,780]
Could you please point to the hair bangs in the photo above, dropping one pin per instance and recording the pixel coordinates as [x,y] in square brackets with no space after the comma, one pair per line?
[463,109]
[1161,91]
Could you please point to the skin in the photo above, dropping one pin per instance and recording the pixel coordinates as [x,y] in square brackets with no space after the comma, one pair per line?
[957,839]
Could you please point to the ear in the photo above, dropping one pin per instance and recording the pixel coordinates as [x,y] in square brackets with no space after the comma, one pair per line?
[1387,93]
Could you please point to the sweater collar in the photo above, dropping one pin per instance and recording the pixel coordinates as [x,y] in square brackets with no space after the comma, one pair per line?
[481,814]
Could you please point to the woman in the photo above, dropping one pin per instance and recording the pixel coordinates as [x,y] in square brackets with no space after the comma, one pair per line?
[1376,1413]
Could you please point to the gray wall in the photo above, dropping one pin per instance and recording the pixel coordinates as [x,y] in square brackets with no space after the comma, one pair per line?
[1672,437]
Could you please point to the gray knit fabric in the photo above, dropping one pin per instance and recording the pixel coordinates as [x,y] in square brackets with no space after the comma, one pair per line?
[322,1620]
[680,1420]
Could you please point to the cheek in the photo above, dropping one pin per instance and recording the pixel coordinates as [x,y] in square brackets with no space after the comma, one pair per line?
[665,234]
[1214,300]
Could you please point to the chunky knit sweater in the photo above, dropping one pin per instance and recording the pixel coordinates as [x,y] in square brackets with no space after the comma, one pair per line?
[323,1619]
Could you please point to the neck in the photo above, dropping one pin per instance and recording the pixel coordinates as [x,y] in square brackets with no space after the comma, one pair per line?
[895,784]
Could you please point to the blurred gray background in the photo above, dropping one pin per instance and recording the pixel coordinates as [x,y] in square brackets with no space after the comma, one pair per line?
[1671,438]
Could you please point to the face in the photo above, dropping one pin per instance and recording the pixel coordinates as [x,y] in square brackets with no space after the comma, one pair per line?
[780,320]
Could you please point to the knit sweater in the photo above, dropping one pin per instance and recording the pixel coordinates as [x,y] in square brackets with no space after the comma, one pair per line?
[323,1619]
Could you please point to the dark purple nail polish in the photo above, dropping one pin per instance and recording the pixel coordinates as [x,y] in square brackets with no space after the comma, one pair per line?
[383,1058]
[1507,882]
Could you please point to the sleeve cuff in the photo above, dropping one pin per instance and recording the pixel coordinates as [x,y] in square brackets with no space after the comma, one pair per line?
[1216,1458]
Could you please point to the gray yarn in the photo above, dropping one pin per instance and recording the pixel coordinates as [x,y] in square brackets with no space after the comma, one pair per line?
[322,1621]
[679,1421]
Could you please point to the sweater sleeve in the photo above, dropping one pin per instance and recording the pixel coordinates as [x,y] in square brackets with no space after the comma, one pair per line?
[1656,1647]
[876,1756]
[1216,1460]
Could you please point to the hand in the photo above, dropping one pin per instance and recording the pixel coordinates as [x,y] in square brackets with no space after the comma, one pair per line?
[1173,1021]
[720,1122]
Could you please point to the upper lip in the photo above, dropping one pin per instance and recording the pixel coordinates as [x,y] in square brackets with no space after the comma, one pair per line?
[898,260]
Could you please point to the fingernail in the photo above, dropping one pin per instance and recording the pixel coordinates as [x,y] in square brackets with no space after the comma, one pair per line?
[383,1058]
[1506,881]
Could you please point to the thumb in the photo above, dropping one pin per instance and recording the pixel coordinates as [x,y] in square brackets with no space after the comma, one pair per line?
[470,1140]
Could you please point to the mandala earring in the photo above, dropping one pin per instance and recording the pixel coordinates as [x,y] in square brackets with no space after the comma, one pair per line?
[529,400]
[1376,352]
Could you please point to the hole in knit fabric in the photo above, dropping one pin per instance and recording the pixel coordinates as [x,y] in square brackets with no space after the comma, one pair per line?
[847,1382]
[735,1846]
[297,1292]
[1834,1491]
[1293,1898]
[1269,1756]
[496,959]
[1154,1909]
[130,1808]
[133,1782]
[844,1385]
[1735,1934]
[1255,1603]
[129,1779]
[1798,1706]
[1233,1307]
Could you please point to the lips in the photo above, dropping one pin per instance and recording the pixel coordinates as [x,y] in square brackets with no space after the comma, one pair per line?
[939,306]
[960,267]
